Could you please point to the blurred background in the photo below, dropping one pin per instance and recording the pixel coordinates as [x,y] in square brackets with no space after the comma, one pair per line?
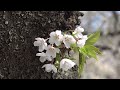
[108,65]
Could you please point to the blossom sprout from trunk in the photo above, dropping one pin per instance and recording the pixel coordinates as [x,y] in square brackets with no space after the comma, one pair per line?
[56,52]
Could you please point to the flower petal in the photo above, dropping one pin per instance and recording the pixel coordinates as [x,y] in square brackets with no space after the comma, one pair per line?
[79,35]
[57,43]
[68,40]
[47,67]
[49,58]
[41,54]
[57,50]
[50,67]
[79,29]
[67,45]
[54,69]
[66,64]
[81,43]
[36,43]
[42,59]
[85,37]
[38,39]
[55,37]
[41,42]
[51,51]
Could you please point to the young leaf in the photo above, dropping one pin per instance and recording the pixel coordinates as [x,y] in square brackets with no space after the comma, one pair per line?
[92,38]
[83,51]
[89,50]
[92,54]
[94,48]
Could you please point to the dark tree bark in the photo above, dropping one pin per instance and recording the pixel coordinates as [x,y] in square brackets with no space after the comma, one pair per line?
[18,30]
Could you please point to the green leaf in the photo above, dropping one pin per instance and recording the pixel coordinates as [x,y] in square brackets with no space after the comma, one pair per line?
[81,63]
[90,51]
[87,50]
[94,48]
[92,38]
[83,51]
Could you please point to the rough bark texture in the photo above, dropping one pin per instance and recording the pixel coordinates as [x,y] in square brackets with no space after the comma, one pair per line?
[18,30]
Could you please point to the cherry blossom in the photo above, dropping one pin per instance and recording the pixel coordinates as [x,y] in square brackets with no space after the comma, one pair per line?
[44,57]
[78,32]
[41,43]
[85,37]
[49,68]
[51,51]
[68,40]
[78,29]
[66,64]
[81,42]
[56,37]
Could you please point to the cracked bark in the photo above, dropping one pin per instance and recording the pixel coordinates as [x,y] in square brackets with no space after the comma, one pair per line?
[18,29]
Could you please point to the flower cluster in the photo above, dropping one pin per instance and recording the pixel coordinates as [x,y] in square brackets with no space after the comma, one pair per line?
[52,50]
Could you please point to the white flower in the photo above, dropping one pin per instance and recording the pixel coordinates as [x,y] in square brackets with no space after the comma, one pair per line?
[81,42]
[68,40]
[78,35]
[66,64]
[78,32]
[79,29]
[85,37]
[44,57]
[56,37]
[51,51]
[41,43]
[50,67]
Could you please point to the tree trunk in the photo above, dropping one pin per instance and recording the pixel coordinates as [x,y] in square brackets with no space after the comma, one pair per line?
[18,30]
